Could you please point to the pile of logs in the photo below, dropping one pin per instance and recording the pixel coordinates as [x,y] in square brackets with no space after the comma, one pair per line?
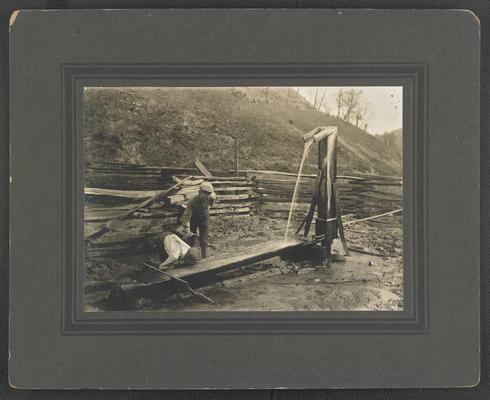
[114,190]
[360,194]
[234,196]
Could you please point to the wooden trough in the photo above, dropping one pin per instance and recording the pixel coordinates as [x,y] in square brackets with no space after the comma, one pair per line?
[212,266]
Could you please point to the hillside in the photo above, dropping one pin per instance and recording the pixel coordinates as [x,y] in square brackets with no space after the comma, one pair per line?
[171,127]
[393,144]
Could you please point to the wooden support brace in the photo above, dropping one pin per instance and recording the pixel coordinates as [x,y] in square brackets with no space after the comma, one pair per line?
[314,201]
[340,224]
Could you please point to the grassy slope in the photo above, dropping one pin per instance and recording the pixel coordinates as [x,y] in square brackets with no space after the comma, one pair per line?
[171,127]
[393,142]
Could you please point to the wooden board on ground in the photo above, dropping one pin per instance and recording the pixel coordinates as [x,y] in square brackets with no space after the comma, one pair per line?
[214,265]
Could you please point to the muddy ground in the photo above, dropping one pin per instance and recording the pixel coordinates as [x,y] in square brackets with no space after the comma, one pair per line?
[360,281]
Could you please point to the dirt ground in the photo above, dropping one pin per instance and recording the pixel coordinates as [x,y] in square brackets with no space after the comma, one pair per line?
[360,281]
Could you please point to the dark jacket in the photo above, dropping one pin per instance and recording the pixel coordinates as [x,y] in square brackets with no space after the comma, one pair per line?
[197,209]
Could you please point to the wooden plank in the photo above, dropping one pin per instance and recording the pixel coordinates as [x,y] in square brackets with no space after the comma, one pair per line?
[375,216]
[126,194]
[200,166]
[247,256]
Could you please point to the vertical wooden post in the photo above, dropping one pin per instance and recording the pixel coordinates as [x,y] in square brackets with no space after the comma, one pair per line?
[326,201]
[321,221]
[237,152]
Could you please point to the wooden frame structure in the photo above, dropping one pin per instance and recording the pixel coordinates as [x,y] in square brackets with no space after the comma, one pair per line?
[325,200]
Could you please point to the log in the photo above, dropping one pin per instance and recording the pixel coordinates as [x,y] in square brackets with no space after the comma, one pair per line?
[125,194]
[215,181]
[236,197]
[189,182]
[233,210]
[193,190]
[217,178]
[180,198]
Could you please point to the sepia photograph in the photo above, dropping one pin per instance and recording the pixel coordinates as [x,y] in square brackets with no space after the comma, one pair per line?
[243,198]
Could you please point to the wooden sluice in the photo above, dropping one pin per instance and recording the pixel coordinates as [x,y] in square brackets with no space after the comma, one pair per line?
[219,264]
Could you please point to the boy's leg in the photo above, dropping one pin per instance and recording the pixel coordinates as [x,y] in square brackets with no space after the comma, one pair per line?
[203,238]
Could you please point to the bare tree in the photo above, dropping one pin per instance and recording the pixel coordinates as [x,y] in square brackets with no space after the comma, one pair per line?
[362,112]
[321,101]
[316,96]
[358,118]
[351,102]
[351,106]
[340,101]
[311,97]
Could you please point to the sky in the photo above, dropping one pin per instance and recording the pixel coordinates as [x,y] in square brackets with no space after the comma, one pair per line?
[384,103]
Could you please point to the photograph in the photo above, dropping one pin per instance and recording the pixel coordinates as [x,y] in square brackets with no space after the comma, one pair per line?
[285,198]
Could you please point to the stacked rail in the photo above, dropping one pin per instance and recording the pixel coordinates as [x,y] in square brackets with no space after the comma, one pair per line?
[359,194]
[134,176]
[112,190]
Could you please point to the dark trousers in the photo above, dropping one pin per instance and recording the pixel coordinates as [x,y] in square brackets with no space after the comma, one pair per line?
[202,225]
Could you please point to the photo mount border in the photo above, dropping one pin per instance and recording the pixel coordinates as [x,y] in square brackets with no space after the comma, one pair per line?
[76,322]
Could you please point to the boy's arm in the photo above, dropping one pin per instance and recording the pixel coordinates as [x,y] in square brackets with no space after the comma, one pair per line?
[212,199]
[186,218]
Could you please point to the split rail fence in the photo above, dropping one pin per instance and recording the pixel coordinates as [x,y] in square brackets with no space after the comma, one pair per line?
[118,219]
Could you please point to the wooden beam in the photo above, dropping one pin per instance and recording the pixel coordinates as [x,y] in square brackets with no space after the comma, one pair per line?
[200,166]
